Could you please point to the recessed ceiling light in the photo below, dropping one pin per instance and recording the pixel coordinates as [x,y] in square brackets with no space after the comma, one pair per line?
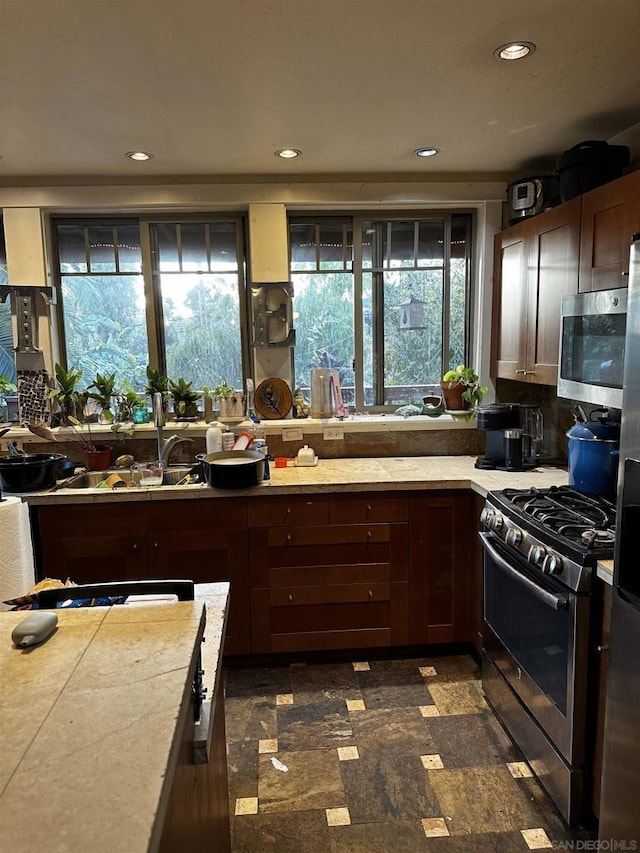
[288,153]
[515,50]
[139,155]
[426,152]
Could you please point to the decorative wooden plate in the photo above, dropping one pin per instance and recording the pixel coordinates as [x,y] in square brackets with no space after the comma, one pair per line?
[273,399]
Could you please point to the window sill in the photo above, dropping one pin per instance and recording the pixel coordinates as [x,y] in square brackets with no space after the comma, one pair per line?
[284,427]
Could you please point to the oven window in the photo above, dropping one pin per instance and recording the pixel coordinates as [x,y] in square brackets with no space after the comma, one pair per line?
[593,349]
[535,635]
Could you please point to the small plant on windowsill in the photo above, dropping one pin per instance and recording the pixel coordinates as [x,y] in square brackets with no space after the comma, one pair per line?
[105,388]
[461,389]
[185,399]
[66,395]
[97,457]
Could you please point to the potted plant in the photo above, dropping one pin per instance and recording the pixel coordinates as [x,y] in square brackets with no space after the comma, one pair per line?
[104,391]
[461,389]
[230,402]
[97,457]
[66,394]
[185,400]
[5,385]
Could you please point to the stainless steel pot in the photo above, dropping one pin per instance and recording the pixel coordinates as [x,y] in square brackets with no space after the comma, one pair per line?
[232,469]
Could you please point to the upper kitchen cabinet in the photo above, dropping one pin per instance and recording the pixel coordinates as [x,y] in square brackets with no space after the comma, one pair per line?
[535,265]
[610,217]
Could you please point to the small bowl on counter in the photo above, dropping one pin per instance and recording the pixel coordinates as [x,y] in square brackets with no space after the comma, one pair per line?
[232,469]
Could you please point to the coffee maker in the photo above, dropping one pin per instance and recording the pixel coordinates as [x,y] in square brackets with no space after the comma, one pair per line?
[513,436]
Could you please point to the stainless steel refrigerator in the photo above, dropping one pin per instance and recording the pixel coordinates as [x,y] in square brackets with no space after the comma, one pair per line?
[620,799]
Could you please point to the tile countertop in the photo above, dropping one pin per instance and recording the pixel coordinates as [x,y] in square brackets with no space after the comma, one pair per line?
[88,754]
[338,475]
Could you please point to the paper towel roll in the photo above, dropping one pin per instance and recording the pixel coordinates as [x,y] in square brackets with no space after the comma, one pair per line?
[17,573]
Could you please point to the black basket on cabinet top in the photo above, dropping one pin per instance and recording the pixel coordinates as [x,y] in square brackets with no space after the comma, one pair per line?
[588,165]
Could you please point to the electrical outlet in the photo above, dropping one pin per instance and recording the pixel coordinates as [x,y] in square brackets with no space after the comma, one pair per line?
[333,433]
[292,434]
[5,442]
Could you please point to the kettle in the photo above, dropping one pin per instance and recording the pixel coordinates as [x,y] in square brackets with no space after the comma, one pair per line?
[594,450]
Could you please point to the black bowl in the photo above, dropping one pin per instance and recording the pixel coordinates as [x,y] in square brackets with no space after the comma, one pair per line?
[30,472]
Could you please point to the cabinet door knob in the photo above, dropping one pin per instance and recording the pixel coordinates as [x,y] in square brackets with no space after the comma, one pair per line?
[288,510]
[369,534]
[135,546]
[370,593]
[369,508]
[290,598]
[155,544]
[288,537]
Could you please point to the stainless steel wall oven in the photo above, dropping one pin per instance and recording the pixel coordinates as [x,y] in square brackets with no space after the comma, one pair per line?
[540,553]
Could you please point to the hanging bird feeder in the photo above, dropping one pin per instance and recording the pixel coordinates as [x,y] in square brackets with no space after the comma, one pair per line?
[412,314]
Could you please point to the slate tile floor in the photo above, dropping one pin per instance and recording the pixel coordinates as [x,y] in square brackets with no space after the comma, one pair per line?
[375,757]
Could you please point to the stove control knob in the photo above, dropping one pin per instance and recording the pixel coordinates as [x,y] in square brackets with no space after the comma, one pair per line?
[496,522]
[552,565]
[537,554]
[514,537]
[486,515]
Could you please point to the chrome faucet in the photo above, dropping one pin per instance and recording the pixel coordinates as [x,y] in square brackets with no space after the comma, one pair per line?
[165,445]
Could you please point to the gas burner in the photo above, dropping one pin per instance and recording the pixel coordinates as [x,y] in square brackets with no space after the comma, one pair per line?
[598,538]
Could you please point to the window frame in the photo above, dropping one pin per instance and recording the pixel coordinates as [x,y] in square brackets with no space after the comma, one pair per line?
[357,219]
[151,276]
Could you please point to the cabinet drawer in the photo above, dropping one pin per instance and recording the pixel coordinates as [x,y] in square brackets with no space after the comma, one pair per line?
[319,575]
[298,596]
[272,512]
[65,522]
[363,509]
[221,514]
[330,535]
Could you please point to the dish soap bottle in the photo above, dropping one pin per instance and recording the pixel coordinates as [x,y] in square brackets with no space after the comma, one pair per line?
[213,438]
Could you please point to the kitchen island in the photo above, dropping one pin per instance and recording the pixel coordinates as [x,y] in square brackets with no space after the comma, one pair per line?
[100,751]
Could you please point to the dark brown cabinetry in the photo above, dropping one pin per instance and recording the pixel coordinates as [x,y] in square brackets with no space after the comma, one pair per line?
[535,265]
[204,541]
[307,573]
[610,217]
[441,530]
[328,573]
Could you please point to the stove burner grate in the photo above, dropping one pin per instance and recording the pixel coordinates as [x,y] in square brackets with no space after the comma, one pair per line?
[584,520]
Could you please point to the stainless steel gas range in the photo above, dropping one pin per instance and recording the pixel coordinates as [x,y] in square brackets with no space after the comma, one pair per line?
[541,548]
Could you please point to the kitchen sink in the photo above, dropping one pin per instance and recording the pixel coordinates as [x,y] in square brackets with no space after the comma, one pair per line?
[93,479]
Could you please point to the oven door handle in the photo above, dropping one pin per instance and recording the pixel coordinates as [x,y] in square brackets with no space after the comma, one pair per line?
[557,602]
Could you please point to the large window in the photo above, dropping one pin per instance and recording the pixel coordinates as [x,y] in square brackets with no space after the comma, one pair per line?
[7,359]
[135,292]
[385,301]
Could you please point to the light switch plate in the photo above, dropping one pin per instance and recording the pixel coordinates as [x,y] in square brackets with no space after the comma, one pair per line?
[292,435]
[333,433]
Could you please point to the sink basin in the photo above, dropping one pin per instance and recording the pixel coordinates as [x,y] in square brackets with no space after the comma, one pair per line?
[93,479]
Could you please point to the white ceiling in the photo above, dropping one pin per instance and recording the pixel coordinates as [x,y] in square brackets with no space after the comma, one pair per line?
[214,87]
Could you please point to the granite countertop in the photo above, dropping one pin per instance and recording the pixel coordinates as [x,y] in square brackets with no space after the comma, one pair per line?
[337,475]
[91,721]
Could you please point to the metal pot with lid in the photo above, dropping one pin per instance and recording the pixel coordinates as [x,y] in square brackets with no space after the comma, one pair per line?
[594,449]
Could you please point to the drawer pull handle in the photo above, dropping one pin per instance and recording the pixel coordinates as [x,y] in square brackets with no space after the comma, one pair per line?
[135,546]
[288,537]
[290,598]
[370,593]
[369,508]
[369,534]
[288,510]
[155,544]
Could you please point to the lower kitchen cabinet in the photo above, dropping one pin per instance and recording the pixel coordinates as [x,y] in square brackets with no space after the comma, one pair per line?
[307,573]
[328,573]
[203,541]
[441,567]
